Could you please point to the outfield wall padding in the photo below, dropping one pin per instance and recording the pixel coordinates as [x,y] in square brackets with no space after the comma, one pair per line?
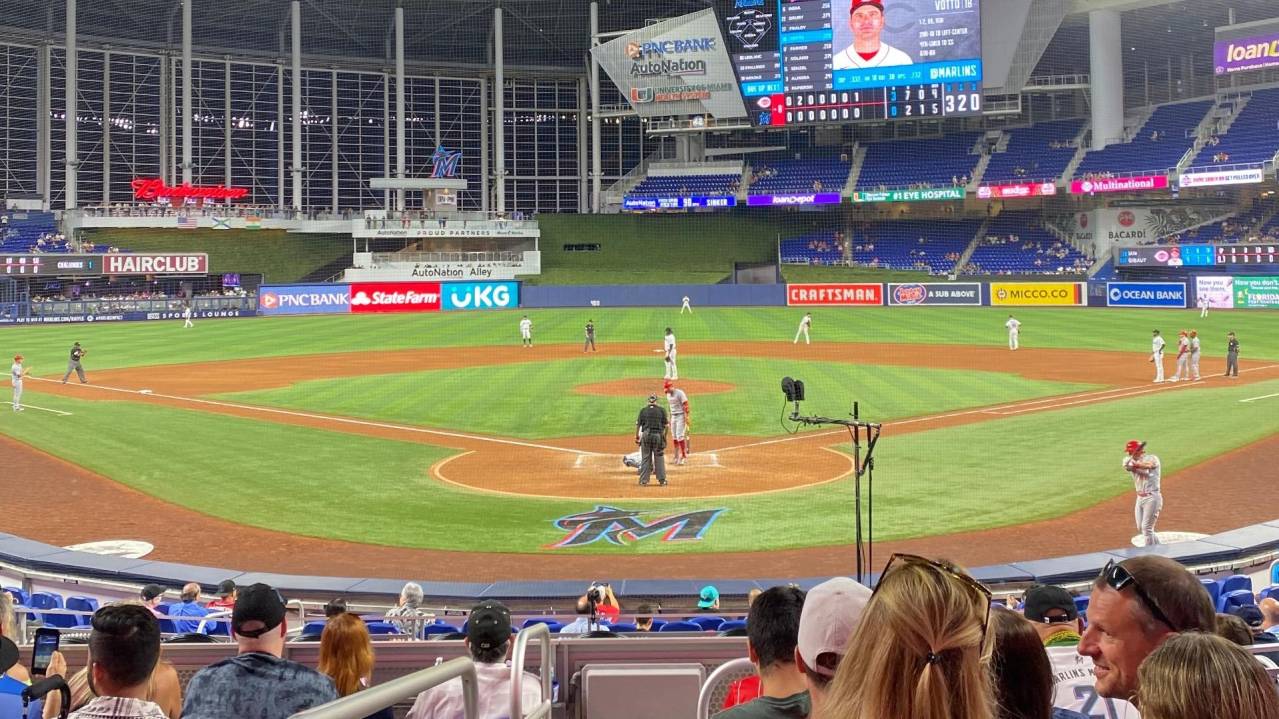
[542,296]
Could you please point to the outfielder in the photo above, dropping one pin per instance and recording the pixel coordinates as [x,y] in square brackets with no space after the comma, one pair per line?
[16,373]
[186,317]
[1203,307]
[590,336]
[526,332]
[1144,469]
[668,346]
[1157,355]
[73,365]
[1183,357]
[1014,332]
[1194,354]
[650,435]
[804,324]
[686,306]
[678,402]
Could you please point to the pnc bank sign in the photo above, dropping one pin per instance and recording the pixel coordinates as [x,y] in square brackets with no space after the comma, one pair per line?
[637,49]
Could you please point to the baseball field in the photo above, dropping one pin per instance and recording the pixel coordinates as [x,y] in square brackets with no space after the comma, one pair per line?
[435,445]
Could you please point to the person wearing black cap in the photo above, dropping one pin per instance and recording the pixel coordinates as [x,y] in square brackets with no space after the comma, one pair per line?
[488,638]
[257,683]
[226,597]
[1054,615]
[866,21]
[650,435]
[152,595]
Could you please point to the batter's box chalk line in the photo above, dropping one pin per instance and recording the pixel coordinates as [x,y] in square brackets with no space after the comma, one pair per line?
[612,463]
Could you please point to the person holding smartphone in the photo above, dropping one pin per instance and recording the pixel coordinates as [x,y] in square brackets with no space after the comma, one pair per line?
[14,677]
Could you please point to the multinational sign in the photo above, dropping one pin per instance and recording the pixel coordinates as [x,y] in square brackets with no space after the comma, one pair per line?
[1119,184]
[150,189]
[375,297]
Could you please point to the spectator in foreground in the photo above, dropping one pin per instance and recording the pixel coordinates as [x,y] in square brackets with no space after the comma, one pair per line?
[257,683]
[335,607]
[772,630]
[412,617]
[152,595]
[1234,629]
[1269,615]
[488,638]
[1202,676]
[644,619]
[226,597]
[188,607]
[1052,612]
[14,677]
[918,650]
[124,648]
[832,610]
[1021,672]
[1136,605]
[346,657]
[1251,615]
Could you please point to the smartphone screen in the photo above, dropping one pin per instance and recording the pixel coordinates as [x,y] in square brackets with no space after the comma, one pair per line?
[46,643]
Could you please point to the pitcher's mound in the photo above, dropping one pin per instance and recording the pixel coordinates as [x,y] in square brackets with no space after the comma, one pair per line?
[645,387]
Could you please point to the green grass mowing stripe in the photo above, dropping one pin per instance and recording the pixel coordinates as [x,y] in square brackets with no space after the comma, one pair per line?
[535,400]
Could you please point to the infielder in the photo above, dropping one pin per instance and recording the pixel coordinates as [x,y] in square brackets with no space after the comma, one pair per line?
[1194,354]
[686,306]
[650,435]
[1202,302]
[678,402]
[668,346]
[1232,355]
[186,317]
[1014,332]
[1183,357]
[1157,355]
[590,336]
[1144,469]
[73,365]
[526,332]
[804,324]
[16,373]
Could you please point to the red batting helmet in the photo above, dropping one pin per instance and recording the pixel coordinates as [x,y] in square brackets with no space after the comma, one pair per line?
[17,358]
[1134,446]
[667,384]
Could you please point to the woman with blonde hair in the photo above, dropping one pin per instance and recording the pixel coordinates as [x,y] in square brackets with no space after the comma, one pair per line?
[1204,676]
[921,650]
[346,656]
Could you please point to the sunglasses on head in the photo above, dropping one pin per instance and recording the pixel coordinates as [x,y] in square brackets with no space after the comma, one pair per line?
[1117,578]
[981,592]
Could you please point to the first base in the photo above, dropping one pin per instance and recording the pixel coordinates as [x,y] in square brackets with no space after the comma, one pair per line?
[145,391]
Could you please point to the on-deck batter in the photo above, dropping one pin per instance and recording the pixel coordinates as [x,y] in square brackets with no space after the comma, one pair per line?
[804,324]
[16,373]
[1014,332]
[1183,357]
[1144,469]
[668,345]
[1157,355]
[678,402]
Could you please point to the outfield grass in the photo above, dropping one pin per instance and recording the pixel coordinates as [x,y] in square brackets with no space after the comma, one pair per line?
[136,344]
[278,255]
[498,399]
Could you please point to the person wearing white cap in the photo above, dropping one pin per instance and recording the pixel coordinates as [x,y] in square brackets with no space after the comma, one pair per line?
[831,612]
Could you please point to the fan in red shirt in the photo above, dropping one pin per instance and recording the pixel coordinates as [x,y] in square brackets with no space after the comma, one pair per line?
[226,597]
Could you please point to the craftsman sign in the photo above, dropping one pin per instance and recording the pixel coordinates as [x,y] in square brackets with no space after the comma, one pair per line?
[187,264]
[151,189]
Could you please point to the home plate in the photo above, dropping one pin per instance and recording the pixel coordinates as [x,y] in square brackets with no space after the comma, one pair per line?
[613,463]
[1169,538]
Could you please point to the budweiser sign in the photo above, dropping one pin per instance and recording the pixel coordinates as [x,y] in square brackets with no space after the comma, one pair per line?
[150,189]
[395,297]
[188,264]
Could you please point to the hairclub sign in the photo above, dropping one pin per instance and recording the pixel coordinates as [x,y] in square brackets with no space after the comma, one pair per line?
[130,264]
[388,297]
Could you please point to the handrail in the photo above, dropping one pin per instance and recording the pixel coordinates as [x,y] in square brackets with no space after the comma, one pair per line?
[542,634]
[704,695]
[377,698]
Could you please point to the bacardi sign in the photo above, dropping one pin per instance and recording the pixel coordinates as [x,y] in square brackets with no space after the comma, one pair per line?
[151,189]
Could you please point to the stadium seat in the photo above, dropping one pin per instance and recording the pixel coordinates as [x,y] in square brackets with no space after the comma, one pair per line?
[83,604]
[623,627]
[217,628]
[1213,587]
[1081,603]
[378,628]
[658,624]
[1268,592]
[681,627]
[434,630]
[715,689]
[52,600]
[20,597]
[1235,582]
[639,691]
[732,624]
[538,620]
[710,624]
[1237,598]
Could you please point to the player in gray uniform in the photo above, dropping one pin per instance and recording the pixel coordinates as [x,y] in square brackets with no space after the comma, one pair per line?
[1144,469]
[1194,354]
[16,373]
[73,365]
[1157,355]
[1183,357]
[650,435]
[678,402]
[590,336]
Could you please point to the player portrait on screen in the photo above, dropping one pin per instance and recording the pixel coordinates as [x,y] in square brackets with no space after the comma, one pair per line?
[866,21]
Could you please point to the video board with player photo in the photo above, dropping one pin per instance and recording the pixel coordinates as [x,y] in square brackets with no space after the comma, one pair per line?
[802,62]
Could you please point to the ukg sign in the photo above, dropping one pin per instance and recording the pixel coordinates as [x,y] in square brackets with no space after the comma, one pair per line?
[1246,53]
[1139,183]
[375,297]
[865,295]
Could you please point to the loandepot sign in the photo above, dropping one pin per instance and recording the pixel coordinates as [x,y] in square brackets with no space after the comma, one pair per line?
[940,193]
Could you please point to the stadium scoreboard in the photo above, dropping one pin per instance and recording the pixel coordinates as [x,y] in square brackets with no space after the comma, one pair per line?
[1199,255]
[802,62]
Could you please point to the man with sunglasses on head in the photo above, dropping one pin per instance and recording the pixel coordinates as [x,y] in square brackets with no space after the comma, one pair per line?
[1136,605]
[1145,470]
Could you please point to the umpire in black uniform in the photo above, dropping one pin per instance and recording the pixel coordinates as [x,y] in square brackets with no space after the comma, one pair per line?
[650,435]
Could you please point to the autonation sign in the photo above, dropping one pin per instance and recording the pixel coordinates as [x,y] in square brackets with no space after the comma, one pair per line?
[304,299]
[1145,294]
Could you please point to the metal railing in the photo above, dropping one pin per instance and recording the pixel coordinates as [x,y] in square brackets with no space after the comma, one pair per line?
[377,698]
[513,258]
[546,666]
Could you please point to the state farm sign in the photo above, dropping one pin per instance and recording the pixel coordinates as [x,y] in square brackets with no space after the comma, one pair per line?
[865,295]
[188,264]
[371,297]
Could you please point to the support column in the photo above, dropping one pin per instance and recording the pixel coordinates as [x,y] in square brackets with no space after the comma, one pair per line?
[226,122]
[73,160]
[399,103]
[333,144]
[188,164]
[386,138]
[597,160]
[297,105]
[583,184]
[1106,71]
[279,136]
[43,143]
[499,113]
[106,128]
[485,135]
[166,87]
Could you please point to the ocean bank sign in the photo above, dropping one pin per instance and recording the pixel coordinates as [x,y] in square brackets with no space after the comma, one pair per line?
[304,299]
[481,296]
[1146,294]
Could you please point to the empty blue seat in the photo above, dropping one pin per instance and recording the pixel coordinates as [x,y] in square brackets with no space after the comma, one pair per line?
[20,597]
[709,624]
[83,604]
[1237,598]
[383,628]
[52,600]
[623,627]
[436,629]
[538,620]
[1268,592]
[1235,582]
[1213,587]
[1081,603]
[681,627]
[313,629]
[732,625]
[167,626]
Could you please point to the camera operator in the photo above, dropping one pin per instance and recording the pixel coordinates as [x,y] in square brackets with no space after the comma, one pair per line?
[595,610]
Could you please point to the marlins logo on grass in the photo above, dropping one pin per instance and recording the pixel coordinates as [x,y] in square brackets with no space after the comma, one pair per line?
[617,526]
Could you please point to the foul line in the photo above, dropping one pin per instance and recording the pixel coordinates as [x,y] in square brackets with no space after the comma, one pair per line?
[332,418]
[1264,396]
[45,409]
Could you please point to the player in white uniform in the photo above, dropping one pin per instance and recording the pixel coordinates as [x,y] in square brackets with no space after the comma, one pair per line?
[1144,469]
[804,324]
[186,317]
[1014,332]
[1194,354]
[1202,303]
[1157,355]
[668,346]
[686,306]
[866,20]
[1183,357]
[678,402]
[526,332]
[16,373]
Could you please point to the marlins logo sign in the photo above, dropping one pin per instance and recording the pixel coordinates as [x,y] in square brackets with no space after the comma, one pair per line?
[444,162]
[621,526]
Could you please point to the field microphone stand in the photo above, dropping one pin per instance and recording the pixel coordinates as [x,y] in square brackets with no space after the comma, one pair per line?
[858,431]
